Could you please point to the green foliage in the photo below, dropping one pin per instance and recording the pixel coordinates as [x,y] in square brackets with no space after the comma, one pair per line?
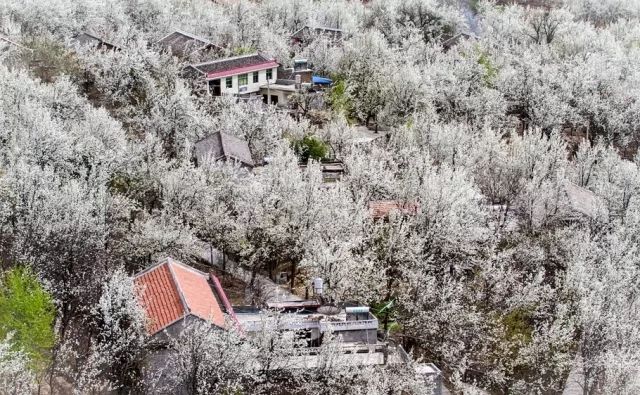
[385,310]
[474,5]
[490,70]
[239,51]
[49,59]
[27,311]
[338,98]
[517,325]
[310,147]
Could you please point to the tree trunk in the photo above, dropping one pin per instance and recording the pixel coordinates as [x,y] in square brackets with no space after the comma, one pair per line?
[224,260]
[292,281]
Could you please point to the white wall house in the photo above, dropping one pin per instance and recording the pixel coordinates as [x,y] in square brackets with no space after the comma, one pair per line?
[240,75]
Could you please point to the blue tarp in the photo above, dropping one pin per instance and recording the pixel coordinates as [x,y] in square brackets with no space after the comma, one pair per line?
[317,80]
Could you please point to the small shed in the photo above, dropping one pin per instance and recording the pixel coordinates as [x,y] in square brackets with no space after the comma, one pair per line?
[306,34]
[581,202]
[452,41]
[170,292]
[86,39]
[382,209]
[331,171]
[183,44]
[223,146]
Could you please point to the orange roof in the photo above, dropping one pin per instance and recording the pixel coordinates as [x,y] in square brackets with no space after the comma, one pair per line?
[382,208]
[171,290]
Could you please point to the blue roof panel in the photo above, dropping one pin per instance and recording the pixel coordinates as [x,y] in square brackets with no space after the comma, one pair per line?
[317,80]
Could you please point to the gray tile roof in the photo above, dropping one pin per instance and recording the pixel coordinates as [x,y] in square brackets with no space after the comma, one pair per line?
[11,42]
[88,39]
[222,146]
[574,204]
[182,44]
[231,63]
[583,201]
[328,31]
[454,40]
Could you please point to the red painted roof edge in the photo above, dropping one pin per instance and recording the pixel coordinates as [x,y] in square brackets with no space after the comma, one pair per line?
[241,70]
[225,300]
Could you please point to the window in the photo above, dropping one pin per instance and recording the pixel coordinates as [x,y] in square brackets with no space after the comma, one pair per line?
[229,82]
[255,77]
[269,74]
[243,79]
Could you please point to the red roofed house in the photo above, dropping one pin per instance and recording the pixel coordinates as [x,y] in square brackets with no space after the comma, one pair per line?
[381,209]
[239,75]
[172,294]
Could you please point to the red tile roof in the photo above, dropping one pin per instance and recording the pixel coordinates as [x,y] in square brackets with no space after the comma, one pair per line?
[170,290]
[382,208]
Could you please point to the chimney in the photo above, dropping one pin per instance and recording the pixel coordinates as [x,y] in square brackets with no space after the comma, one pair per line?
[318,286]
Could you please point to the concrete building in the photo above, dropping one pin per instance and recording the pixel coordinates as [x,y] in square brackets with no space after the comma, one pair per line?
[307,34]
[240,75]
[351,324]
[174,295]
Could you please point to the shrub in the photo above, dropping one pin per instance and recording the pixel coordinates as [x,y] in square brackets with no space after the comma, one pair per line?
[27,311]
[310,147]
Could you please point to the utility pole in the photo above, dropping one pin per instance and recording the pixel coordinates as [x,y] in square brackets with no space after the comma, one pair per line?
[268,91]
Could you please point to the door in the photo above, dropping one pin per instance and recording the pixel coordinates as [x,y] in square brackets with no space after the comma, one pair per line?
[214,88]
[274,99]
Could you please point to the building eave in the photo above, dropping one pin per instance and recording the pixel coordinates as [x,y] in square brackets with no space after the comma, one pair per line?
[242,70]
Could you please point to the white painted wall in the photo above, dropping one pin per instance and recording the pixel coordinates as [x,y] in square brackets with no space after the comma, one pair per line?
[251,86]
[283,96]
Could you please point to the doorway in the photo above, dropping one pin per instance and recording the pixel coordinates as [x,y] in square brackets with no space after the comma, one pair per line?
[214,88]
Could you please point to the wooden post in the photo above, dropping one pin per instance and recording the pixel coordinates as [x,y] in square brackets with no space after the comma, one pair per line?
[224,260]
[293,276]
[211,254]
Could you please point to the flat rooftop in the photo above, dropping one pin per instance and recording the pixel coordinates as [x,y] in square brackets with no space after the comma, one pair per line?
[303,318]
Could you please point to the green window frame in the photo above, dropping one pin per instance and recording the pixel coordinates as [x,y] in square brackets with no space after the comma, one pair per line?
[228,82]
[255,77]
[243,79]
[269,74]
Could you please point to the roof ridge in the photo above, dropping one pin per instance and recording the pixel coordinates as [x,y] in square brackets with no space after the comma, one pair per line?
[222,143]
[231,58]
[169,263]
[325,28]
[192,36]
[10,41]
[309,26]
[94,36]
[189,268]
[89,34]
[150,268]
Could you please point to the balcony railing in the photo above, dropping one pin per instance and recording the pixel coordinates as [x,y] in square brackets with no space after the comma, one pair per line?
[323,326]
